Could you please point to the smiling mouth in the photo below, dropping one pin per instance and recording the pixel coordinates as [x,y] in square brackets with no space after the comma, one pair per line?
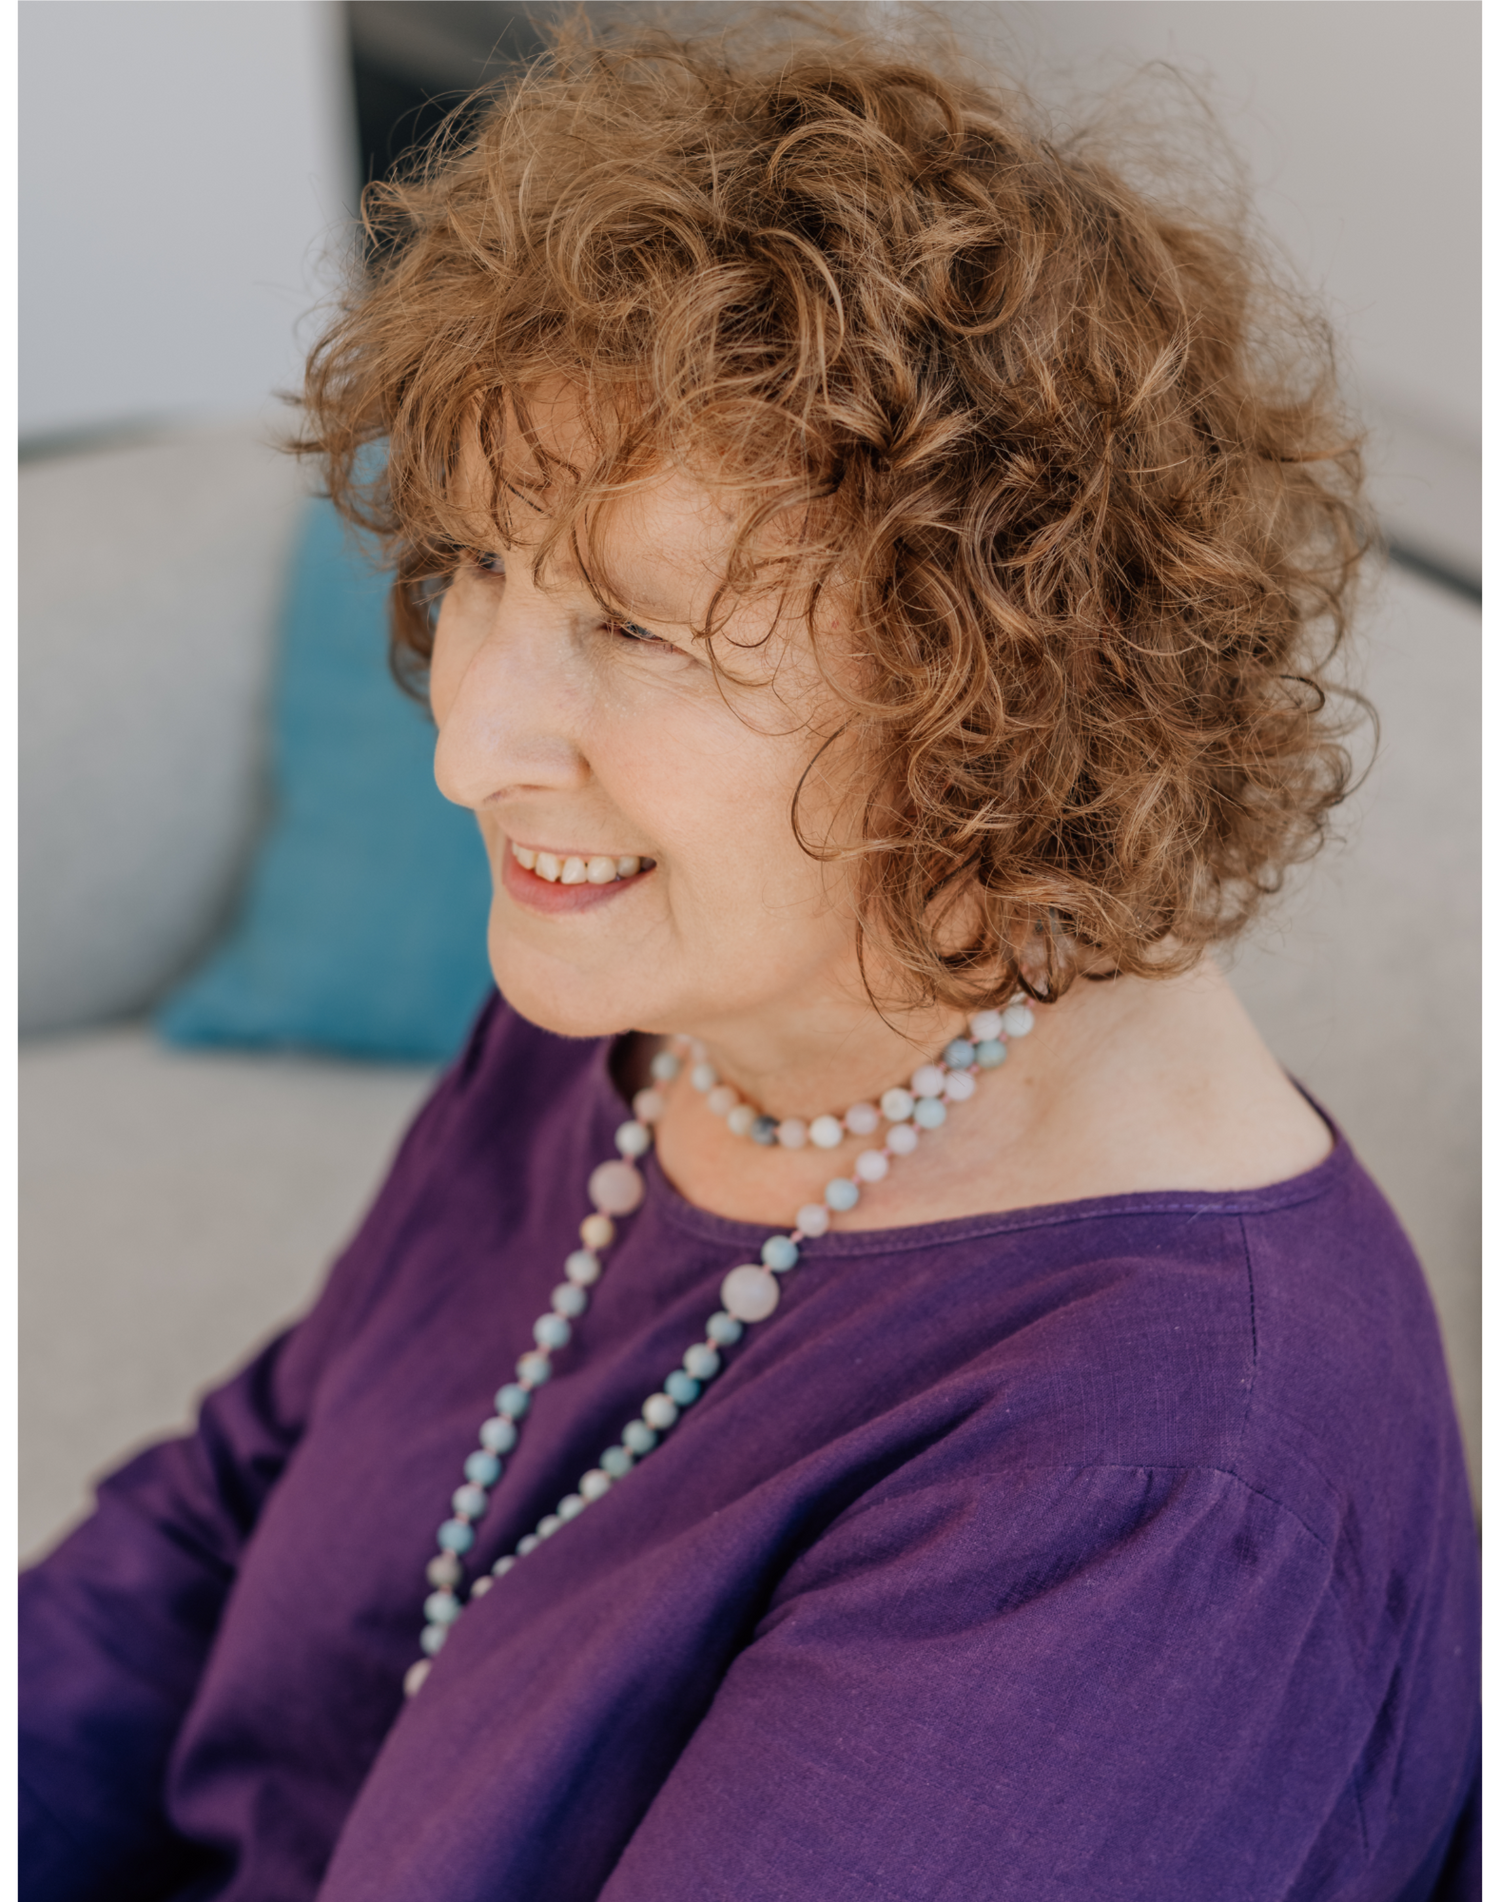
[576,868]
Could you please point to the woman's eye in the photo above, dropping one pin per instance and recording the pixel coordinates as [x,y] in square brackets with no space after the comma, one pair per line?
[489,564]
[641,636]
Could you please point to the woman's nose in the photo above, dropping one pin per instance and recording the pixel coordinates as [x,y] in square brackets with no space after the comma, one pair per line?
[509,715]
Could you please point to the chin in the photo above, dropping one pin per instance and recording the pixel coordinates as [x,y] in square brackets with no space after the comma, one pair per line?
[554,997]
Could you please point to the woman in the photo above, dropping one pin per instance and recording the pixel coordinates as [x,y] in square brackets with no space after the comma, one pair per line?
[929,1409]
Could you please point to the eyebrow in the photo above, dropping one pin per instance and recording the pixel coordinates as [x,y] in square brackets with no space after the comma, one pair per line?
[521,496]
[654,610]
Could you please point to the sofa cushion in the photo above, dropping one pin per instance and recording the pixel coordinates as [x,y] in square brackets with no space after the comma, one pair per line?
[151,577]
[176,1207]
[362,929]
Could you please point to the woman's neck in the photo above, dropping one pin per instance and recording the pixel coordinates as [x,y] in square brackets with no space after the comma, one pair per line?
[1122,1087]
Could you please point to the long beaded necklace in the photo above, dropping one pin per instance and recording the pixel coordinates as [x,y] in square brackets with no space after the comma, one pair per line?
[749,1293]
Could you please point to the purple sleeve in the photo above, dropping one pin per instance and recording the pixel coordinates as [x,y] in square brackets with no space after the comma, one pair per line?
[117,1623]
[1105,1682]
[115,1627]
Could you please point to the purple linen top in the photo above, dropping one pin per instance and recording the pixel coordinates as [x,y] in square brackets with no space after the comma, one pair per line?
[1118,1549]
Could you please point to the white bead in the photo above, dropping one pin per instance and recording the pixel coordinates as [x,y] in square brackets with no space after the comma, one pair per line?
[632,1139]
[813,1220]
[862,1119]
[574,872]
[660,1411]
[416,1677]
[827,1132]
[792,1134]
[704,1076]
[570,1507]
[896,1105]
[740,1118]
[596,1484]
[480,1586]
[648,1105]
[601,871]
[596,1231]
[928,1081]
[615,1188]
[1018,1020]
[871,1166]
[582,1267]
[959,1086]
[749,1292]
[901,1140]
[985,1025]
[722,1099]
[629,865]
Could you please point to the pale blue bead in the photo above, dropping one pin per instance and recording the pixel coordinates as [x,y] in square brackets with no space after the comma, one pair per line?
[959,1055]
[552,1331]
[664,1066]
[454,1536]
[639,1437]
[704,1077]
[585,1263]
[569,1300]
[681,1387]
[617,1461]
[433,1638]
[701,1362]
[931,1112]
[470,1501]
[841,1194]
[779,1253]
[535,1368]
[498,1435]
[514,1401]
[482,1468]
[724,1329]
[441,1608]
[990,1053]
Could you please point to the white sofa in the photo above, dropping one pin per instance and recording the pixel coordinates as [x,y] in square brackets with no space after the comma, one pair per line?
[175,1207]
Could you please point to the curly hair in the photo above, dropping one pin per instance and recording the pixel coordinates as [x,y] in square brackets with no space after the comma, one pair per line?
[1070,456]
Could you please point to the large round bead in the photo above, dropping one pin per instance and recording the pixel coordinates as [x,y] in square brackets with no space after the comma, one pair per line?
[750,1292]
[615,1188]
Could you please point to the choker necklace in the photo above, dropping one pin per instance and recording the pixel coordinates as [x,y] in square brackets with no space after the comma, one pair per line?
[749,1293]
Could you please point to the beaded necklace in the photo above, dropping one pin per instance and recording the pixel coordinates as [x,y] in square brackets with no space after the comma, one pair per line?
[749,1293]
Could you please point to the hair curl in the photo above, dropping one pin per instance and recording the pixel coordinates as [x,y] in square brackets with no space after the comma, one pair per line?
[1072,457]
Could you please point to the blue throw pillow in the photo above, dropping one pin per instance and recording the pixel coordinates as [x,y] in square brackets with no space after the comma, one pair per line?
[362,929]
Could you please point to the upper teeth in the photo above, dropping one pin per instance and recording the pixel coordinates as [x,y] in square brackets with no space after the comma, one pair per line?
[575,870]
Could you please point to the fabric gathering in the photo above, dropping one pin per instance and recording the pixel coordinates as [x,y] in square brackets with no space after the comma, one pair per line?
[865,1378]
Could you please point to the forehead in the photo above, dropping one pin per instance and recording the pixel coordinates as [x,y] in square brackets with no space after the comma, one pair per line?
[659,536]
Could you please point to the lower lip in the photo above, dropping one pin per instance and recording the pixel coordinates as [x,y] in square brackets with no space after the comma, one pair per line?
[542,895]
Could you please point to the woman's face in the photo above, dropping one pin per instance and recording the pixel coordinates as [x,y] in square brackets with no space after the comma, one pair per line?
[579,736]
